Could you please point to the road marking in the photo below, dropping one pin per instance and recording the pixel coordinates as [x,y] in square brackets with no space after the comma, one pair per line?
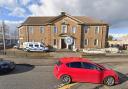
[106,87]
[67,86]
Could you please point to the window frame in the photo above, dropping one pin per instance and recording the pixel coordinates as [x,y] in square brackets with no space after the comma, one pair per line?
[30,29]
[42,29]
[97,42]
[55,29]
[86,42]
[74,29]
[97,29]
[86,29]
[64,30]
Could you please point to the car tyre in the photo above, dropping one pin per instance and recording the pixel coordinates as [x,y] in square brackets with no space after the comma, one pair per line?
[109,81]
[65,79]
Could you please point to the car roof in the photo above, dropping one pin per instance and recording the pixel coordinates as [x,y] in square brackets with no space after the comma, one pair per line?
[74,59]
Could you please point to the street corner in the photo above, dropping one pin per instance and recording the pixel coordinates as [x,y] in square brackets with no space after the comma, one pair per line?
[67,86]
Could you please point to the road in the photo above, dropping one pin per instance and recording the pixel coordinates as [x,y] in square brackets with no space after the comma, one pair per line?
[40,76]
[29,77]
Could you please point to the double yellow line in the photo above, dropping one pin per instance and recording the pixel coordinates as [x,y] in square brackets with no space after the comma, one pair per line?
[67,86]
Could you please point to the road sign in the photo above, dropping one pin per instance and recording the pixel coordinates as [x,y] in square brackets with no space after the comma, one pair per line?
[68,40]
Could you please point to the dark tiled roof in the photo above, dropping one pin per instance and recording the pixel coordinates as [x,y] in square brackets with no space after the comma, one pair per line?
[47,19]
[37,20]
[88,20]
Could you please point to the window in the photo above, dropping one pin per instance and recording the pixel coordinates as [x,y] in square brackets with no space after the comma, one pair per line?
[73,29]
[86,29]
[30,28]
[90,66]
[30,45]
[36,45]
[97,29]
[55,42]
[86,42]
[42,29]
[96,42]
[75,65]
[64,28]
[54,29]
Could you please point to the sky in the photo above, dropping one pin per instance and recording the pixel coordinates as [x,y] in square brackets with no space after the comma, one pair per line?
[114,12]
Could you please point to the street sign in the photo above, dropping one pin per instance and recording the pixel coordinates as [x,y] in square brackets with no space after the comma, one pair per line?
[68,40]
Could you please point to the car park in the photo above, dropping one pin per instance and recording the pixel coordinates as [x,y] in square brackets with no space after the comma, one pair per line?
[75,69]
[6,66]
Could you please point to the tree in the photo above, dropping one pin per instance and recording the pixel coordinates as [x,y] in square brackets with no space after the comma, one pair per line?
[110,37]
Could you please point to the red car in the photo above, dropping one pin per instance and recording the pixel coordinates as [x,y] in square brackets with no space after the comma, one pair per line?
[75,69]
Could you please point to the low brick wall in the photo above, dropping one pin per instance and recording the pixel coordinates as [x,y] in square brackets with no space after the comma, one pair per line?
[23,54]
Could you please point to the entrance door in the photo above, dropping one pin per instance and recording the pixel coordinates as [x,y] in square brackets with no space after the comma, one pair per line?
[63,45]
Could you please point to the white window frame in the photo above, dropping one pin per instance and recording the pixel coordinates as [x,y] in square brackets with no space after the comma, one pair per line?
[86,29]
[55,29]
[64,30]
[42,28]
[30,29]
[97,29]
[86,42]
[74,28]
[97,42]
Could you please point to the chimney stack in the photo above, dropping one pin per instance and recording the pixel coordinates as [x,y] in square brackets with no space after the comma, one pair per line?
[63,13]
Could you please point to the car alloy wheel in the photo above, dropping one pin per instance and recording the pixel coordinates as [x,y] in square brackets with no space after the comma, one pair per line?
[109,81]
[65,79]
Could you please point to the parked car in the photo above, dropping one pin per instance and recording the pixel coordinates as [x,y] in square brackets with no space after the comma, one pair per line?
[6,66]
[75,69]
[34,46]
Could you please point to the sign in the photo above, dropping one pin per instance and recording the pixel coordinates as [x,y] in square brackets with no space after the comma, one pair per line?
[68,40]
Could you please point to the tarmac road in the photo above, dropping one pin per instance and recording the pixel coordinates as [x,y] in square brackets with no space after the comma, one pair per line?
[29,77]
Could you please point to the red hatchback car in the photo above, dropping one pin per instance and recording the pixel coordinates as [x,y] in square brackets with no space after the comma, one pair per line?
[75,69]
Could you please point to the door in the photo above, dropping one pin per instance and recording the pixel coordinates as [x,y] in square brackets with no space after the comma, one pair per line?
[63,45]
[75,70]
[92,73]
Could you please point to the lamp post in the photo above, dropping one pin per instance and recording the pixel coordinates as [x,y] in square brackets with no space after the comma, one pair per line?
[3,32]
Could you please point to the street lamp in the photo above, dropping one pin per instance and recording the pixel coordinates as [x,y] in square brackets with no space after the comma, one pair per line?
[3,32]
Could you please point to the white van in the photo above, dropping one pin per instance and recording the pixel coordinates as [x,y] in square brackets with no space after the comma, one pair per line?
[34,46]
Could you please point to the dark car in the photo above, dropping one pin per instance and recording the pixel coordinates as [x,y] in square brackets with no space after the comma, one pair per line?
[6,66]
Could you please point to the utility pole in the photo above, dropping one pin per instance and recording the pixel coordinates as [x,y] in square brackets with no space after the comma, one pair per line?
[3,32]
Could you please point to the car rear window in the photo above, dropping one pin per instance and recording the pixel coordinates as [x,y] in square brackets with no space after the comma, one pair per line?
[59,63]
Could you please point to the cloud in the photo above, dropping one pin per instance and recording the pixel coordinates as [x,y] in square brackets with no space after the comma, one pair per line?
[19,12]
[12,25]
[8,4]
[24,2]
[112,11]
